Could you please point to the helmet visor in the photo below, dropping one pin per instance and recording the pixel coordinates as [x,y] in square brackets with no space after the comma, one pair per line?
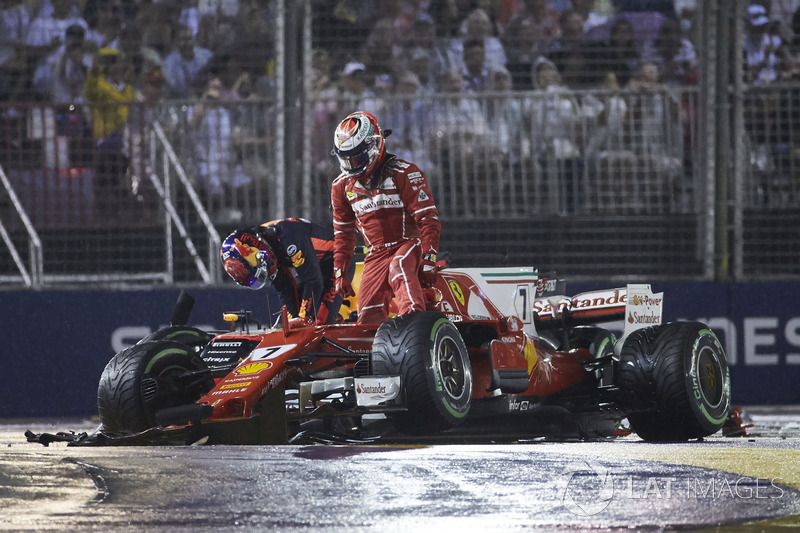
[260,279]
[354,163]
[358,160]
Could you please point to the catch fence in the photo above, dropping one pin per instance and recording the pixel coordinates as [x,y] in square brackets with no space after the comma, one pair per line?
[651,181]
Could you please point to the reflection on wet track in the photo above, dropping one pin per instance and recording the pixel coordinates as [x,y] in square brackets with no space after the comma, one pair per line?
[540,486]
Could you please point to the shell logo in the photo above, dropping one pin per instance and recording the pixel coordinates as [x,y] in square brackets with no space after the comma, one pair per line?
[252,368]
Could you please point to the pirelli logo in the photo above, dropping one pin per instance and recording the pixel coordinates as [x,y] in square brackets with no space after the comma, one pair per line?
[235,385]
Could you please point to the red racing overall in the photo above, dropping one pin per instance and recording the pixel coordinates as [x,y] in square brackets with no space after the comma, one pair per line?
[393,208]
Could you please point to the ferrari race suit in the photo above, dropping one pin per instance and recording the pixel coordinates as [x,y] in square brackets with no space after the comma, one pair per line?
[304,280]
[394,211]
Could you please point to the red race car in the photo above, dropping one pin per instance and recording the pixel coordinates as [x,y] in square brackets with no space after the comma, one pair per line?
[500,355]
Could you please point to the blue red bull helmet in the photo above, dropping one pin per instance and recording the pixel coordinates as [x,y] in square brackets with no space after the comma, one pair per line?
[248,260]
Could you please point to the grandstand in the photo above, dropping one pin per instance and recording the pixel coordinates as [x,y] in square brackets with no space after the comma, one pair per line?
[600,139]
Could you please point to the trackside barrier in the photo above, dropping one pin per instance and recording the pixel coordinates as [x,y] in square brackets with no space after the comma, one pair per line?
[52,363]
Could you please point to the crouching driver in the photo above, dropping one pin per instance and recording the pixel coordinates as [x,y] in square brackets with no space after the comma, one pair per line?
[293,255]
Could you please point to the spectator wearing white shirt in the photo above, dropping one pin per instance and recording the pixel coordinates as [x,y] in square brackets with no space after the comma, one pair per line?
[46,31]
[214,138]
[554,118]
[479,26]
[355,90]
[591,18]
[184,63]
[761,48]
[457,141]
[62,75]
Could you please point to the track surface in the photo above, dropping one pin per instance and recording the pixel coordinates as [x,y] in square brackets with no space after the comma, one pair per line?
[730,484]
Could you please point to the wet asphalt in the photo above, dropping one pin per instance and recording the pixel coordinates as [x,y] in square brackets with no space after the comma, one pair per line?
[747,483]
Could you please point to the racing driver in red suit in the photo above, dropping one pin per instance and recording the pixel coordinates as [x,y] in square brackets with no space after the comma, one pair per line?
[389,201]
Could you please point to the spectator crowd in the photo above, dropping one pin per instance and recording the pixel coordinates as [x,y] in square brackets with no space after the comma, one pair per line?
[106,69]
[582,98]
[123,59]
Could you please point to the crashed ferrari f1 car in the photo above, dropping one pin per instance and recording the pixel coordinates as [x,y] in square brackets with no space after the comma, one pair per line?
[500,355]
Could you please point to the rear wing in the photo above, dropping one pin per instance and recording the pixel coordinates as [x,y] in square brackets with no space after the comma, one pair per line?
[593,307]
[636,304]
[538,300]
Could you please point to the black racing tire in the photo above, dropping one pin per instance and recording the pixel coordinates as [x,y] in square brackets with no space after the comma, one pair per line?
[146,378]
[193,337]
[426,350]
[675,380]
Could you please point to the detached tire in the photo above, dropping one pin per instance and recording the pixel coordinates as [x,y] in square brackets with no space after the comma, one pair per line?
[426,350]
[675,379]
[146,378]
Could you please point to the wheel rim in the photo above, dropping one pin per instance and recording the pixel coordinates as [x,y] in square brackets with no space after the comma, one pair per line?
[710,376]
[163,382]
[451,367]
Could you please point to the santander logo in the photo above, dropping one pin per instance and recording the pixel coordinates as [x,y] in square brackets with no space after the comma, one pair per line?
[371,389]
